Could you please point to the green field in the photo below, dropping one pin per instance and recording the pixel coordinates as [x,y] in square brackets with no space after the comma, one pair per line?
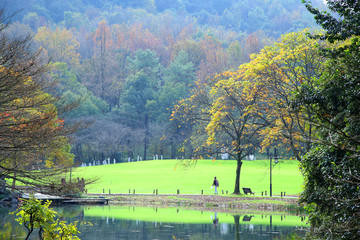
[167,176]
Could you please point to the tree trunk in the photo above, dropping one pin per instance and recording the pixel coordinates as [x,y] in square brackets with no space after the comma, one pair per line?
[309,141]
[41,232]
[2,185]
[79,153]
[102,64]
[238,170]
[30,229]
[172,146]
[237,226]
[145,147]
[146,125]
[237,179]
[13,183]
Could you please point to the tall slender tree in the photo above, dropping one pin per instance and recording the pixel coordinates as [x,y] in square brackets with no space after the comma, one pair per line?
[103,41]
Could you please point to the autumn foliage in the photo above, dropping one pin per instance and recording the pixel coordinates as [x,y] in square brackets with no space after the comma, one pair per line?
[32,136]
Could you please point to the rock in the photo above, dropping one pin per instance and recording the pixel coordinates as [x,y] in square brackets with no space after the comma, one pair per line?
[12,199]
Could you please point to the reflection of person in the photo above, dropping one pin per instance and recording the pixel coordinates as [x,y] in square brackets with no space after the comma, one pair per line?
[215,219]
[216,185]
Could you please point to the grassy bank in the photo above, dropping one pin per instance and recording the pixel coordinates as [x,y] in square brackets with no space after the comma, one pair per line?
[168,176]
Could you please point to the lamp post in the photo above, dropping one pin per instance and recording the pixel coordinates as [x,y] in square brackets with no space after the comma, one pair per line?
[270,175]
[276,160]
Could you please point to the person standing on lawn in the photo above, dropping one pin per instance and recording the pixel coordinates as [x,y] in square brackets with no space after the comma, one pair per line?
[216,185]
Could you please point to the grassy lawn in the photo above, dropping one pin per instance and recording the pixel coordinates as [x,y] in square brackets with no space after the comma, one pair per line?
[163,175]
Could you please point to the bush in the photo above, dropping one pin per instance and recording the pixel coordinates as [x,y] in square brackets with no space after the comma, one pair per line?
[35,215]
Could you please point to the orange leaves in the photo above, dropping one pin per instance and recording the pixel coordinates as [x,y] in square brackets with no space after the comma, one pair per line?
[135,37]
[103,37]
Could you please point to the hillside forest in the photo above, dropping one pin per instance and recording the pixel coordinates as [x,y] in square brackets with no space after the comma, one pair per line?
[128,63]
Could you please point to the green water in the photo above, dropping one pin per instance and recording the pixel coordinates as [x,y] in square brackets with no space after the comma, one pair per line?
[135,223]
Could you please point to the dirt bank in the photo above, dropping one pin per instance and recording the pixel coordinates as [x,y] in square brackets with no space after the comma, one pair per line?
[206,202]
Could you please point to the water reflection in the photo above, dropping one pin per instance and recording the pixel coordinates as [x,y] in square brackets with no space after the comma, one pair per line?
[247,218]
[130,222]
[215,219]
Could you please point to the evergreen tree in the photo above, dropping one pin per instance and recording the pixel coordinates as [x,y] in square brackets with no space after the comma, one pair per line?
[139,90]
[332,167]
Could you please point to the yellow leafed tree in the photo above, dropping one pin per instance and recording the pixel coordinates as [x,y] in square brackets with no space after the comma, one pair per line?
[225,114]
[286,66]
[59,44]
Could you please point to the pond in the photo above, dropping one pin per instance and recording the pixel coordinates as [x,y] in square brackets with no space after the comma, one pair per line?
[135,223]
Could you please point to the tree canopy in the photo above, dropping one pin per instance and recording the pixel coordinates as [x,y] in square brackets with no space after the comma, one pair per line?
[284,67]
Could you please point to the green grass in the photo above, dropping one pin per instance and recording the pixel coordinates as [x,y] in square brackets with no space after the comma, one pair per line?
[176,215]
[163,175]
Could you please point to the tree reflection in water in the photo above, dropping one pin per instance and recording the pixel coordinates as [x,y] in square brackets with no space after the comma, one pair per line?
[217,226]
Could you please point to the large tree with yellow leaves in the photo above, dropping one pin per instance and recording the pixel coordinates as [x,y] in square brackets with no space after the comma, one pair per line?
[283,68]
[237,111]
[224,116]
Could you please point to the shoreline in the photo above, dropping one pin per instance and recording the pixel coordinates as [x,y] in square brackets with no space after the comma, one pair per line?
[228,203]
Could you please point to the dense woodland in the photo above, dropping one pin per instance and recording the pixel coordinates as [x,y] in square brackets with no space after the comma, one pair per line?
[129,62]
